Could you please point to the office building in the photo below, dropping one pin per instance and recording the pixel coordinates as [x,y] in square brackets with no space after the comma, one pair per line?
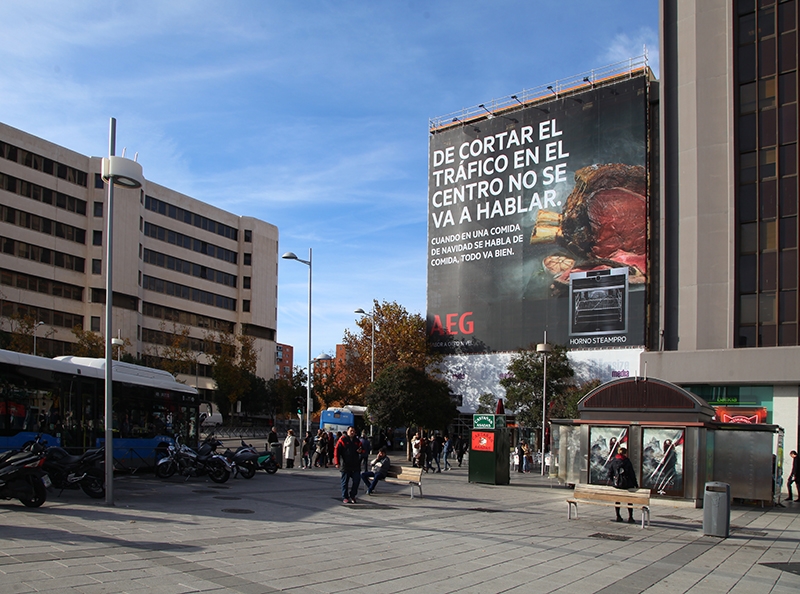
[728,296]
[181,266]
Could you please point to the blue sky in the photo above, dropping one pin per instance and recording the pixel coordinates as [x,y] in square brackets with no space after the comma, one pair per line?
[312,116]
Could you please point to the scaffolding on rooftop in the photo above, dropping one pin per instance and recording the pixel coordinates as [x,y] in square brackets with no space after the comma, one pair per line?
[566,87]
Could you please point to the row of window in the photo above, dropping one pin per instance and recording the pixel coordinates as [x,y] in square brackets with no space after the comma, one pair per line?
[29,282]
[186,267]
[34,222]
[43,164]
[50,317]
[36,192]
[37,253]
[190,218]
[192,294]
[190,243]
[190,368]
[258,331]
[186,318]
[168,338]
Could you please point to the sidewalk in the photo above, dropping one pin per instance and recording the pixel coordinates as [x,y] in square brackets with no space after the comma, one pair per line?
[289,532]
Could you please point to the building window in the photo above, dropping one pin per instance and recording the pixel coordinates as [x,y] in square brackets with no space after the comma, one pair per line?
[248,259]
[246,282]
[97,266]
[97,237]
[246,305]
[98,181]
[248,236]
[98,209]
[95,323]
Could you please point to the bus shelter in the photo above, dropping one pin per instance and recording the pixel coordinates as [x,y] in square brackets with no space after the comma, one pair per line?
[673,440]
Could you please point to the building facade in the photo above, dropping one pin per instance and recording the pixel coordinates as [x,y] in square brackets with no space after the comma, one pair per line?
[284,361]
[728,226]
[181,267]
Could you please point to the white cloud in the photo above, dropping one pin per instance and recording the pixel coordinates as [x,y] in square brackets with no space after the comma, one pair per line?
[625,46]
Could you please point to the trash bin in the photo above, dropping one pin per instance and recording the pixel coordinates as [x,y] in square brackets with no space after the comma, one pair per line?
[276,449]
[717,510]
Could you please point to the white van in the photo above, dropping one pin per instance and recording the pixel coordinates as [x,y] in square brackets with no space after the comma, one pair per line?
[209,415]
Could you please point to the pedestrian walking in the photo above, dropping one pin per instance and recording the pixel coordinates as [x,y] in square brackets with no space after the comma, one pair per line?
[447,448]
[366,450]
[794,474]
[347,458]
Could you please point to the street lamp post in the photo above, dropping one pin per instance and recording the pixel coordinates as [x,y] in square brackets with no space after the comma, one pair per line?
[293,256]
[371,316]
[125,173]
[35,326]
[544,348]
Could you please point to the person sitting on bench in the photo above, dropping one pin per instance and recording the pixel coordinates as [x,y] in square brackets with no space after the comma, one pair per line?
[380,467]
[622,476]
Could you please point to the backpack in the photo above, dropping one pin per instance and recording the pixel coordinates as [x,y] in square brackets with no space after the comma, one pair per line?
[620,480]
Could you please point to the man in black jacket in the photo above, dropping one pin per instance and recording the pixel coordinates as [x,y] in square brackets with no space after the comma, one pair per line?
[794,474]
[380,468]
[622,476]
[347,458]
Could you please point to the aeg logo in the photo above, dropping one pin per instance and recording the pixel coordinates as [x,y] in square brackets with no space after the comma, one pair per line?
[454,324]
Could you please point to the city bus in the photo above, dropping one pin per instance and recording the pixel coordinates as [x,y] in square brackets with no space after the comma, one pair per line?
[64,400]
[340,418]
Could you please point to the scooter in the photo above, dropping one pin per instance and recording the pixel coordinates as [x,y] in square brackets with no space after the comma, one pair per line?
[243,461]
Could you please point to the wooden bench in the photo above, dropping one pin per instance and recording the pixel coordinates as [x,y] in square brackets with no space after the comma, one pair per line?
[605,495]
[405,475]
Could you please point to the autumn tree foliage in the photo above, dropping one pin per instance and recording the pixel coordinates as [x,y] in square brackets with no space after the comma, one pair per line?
[399,339]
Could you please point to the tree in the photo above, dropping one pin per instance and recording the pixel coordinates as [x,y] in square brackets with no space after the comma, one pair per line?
[92,344]
[405,396]
[232,358]
[525,382]
[487,403]
[290,394]
[21,336]
[327,389]
[175,354]
[400,337]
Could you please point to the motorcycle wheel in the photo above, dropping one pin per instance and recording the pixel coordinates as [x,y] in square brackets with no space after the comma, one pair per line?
[247,470]
[166,469]
[218,473]
[271,467]
[93,485]
[39,493]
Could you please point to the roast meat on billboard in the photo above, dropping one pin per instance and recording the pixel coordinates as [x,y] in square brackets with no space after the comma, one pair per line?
[538,222]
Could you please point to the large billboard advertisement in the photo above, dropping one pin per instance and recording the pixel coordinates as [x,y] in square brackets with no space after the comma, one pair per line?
[537,222]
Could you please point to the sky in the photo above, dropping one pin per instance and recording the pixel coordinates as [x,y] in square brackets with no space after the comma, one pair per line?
[312,116]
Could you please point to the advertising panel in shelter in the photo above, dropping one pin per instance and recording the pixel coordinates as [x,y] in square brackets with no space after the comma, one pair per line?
[537,221]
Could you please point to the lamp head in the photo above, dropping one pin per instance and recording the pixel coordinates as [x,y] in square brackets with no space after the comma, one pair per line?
[360,311]
[289,256]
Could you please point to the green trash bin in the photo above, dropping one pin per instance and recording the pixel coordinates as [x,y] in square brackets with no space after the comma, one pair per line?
[489,455]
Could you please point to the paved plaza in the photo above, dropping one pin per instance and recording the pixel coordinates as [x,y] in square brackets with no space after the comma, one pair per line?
[289,532]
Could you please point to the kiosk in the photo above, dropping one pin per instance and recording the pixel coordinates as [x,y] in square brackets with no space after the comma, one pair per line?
[674,442]
[489,450]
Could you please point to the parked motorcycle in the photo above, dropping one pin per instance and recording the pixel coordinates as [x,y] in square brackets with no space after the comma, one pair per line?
[244,461]
[22,477]
[184,460]
[72,472]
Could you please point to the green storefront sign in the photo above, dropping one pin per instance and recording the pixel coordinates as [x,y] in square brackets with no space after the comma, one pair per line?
[488,421]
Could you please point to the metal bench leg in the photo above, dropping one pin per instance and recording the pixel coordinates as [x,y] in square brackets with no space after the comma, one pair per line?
[570,504]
